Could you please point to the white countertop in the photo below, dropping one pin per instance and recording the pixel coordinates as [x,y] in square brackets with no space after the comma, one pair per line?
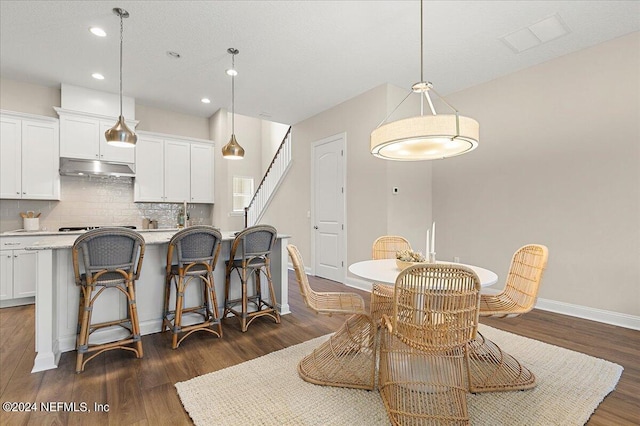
[61,240]
[23,233]
[386,271]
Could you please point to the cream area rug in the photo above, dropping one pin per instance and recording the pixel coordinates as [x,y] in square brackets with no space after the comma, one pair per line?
[268,391]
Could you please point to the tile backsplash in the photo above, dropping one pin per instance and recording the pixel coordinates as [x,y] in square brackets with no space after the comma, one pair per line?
[96,201]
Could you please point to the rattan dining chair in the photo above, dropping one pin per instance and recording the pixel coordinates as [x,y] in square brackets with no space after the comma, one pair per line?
[348,358]
[112,259]
[422,378]
[335,302]
[253,245]
[490,368]
[523,282]
[196,250]
[385,247]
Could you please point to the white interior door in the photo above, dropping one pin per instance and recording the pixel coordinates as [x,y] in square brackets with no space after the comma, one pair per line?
[328,207]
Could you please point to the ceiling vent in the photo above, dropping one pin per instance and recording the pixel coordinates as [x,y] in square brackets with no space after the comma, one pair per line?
[536,34]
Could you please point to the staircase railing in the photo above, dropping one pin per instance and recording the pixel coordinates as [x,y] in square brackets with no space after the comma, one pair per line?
[270,182]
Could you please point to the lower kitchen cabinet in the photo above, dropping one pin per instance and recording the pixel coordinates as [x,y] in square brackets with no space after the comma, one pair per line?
[171,169]
[17,274]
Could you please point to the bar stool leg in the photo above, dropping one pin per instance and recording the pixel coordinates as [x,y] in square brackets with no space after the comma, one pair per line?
[133,317]
[258,288]
[243,319]
[227,284]
[272,294]
[177,320]
[166,325]
[213,300]
[83,334]
[205,298]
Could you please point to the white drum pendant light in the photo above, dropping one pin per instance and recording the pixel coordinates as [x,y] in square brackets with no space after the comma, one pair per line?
[120,135]
[425,137]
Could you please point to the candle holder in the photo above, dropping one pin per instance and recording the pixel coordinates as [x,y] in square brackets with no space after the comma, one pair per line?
[432,257]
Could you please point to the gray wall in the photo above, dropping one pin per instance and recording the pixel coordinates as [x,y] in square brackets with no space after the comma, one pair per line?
[558,164]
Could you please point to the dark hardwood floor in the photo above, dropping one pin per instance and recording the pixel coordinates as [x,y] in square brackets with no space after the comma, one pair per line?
[141,391]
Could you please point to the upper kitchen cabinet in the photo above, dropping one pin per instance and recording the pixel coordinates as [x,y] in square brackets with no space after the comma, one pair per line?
[202,156]
[82,136]
[29,155]
[173,169]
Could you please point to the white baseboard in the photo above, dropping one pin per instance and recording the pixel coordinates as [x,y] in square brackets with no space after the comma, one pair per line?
[593,314]
[307,269]
[17,302]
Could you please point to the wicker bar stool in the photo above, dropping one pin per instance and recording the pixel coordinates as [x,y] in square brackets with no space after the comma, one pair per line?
[112,259]
[197,249]
[254,244]
[385,247]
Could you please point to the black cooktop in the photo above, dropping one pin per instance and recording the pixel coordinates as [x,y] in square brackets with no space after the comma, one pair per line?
[87,228]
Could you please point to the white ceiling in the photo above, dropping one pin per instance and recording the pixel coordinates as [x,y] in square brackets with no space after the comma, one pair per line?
[297,58]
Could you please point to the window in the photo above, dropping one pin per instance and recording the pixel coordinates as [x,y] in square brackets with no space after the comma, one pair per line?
[242,193]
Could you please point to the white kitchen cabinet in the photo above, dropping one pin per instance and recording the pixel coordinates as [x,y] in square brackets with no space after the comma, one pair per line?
[149,180]
[6,274]
[29,155]
[173,169]
[24,273]
[202,157]
[82,136]
[17,272]
[177,169]
[161,169]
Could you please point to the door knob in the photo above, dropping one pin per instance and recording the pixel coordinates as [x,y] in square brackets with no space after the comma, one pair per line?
[315,227]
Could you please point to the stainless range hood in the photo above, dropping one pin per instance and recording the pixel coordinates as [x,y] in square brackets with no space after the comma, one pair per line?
[75,167]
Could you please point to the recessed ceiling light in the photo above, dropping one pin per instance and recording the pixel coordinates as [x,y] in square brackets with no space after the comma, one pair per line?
[98,31]
[232,72]
[174,55]
[97,76]
[205,100]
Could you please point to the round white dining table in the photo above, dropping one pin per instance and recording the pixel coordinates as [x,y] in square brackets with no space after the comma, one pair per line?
[386,271]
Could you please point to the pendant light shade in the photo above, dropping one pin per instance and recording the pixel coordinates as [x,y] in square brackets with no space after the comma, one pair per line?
[120,135]
[232,150]
[425,137]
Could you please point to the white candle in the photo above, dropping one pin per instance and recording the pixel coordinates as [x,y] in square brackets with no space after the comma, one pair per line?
[433,238]
[427,247]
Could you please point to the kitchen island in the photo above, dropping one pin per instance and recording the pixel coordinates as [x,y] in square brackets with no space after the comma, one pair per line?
[57,295]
